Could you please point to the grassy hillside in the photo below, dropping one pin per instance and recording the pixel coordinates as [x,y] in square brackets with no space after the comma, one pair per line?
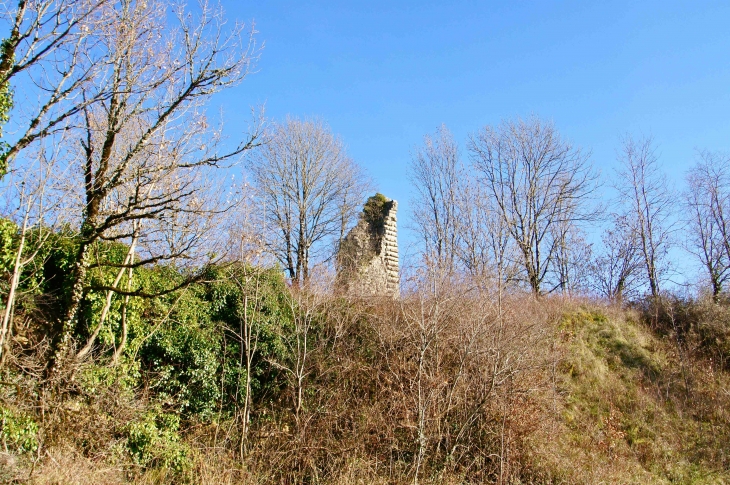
[638,405]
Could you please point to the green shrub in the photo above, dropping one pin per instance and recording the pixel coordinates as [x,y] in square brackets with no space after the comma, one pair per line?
[123,378]
[375,209]
[183,357]
[19,431]
[94,301]
[194,357]
[241,292]
[8,231]
[154,442]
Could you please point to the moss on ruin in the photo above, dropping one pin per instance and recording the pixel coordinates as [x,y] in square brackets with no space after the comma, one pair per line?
[375,210]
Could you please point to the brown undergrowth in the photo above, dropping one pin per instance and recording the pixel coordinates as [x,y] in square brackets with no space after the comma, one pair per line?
[452,387]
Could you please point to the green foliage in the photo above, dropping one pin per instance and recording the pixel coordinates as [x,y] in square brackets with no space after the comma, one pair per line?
[19,432]
[57,260]
[95,301]
[375,210]
[183,358]
[6,102]
[33,282]
[154,441]
[239,295]
[195,354]
[123,378]
[8,231]
[187,342]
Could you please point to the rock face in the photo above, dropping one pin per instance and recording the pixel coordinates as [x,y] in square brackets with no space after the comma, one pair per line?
[368,258]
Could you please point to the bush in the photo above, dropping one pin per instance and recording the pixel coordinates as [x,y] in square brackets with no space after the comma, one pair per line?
[701,326]
[19,431]
[182,358]
[374,211]
[194,357]
[154,442]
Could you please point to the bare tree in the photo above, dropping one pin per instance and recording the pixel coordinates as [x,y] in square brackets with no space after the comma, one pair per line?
[310,191]
[474,252]
[146,152]
[456,217]
[572,259]
[301,345]
[648,205]
[246,233]
[615,271]
[486,250]
[438,176]
[50,52]
[32,214]
[52,46]
[249,280]
[707,201]
[538,182]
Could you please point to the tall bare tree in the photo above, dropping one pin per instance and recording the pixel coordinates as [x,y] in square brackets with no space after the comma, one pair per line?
[438,176]
[52,46]
[31,211]
[46,61]
[486,250]
[648,205]
[145,149]
[310,191]
[707,201]
[572,259]
[615,271]
[538,182]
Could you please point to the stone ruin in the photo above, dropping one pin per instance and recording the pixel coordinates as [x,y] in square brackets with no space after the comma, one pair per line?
[367,262]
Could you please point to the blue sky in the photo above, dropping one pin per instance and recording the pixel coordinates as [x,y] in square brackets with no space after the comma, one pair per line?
[384,74]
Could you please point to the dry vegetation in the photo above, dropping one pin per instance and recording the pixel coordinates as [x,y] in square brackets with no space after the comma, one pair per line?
[444,388]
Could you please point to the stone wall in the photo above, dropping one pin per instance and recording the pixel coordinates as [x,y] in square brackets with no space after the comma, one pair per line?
[390,249]
[368,257]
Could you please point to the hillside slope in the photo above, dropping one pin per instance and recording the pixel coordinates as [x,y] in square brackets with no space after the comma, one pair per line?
[637,406]
[444,390]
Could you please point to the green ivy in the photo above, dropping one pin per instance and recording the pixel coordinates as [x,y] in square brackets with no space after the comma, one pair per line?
[375,210]
[8,232]
[6,103]
[18,431]
[154,441]
[193,357]
[94,301]
[241,291]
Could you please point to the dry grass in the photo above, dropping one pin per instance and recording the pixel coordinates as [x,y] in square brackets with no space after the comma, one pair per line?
[450,388]
[635,408]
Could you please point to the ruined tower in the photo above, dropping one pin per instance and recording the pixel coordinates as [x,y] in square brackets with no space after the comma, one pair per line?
[368,258]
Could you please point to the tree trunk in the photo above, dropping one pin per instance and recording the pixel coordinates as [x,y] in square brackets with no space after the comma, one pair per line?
[14,281]
[125,328]
[107,305]
[61,342]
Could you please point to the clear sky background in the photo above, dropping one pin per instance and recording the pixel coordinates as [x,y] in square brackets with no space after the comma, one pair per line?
[383,74]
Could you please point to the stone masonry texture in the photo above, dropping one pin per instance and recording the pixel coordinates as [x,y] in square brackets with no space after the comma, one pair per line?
[368,256]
